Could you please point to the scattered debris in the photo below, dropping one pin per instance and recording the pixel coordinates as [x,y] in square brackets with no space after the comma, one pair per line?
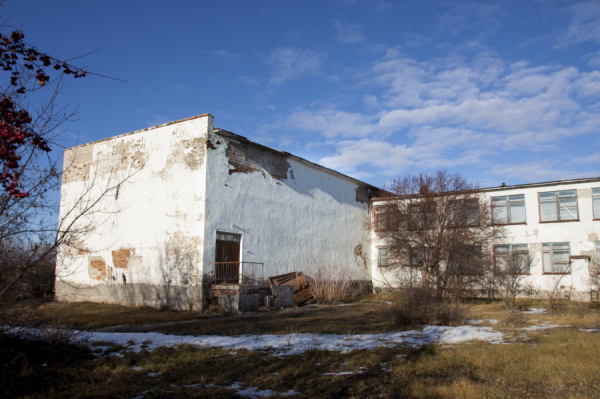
[303,292]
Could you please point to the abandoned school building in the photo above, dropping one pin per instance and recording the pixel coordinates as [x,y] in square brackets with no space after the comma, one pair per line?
[195,210]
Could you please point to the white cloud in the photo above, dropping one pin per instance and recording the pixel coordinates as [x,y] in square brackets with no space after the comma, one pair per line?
[583,27]
[292,63]
[348,33]
[541,171]
[455,111]
[481,18]
[412,39]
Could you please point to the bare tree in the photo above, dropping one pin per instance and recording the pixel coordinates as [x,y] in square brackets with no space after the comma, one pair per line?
[437,229]
[511,270]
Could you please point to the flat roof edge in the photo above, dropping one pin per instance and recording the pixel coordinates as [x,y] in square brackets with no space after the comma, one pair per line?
[139,131]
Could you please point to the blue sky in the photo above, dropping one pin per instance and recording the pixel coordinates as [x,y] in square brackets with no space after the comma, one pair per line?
[505,91]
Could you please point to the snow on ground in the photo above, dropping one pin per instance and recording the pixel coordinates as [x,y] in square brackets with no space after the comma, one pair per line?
[536,310]
[284,345]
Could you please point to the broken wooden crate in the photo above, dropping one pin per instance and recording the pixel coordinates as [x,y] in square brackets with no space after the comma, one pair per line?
[302,290]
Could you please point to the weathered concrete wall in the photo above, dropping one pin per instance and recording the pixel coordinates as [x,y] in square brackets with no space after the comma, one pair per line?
[147,240]
[581,234]
[292,215]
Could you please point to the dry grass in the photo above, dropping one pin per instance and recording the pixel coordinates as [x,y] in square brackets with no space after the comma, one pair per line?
[554,363]
[88,315]
[561,363]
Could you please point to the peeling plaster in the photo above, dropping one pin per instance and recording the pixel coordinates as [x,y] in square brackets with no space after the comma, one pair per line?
[248,158]
[96,267]
[182,256]
[121,258]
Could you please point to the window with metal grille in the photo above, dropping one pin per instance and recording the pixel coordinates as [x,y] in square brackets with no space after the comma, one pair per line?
[507,258]
[509,209]
[556,257]
[596,202]
[558,205]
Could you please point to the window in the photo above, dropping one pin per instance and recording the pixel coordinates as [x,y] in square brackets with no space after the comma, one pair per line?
[509,209]
[508,261]
[596,202]
[556,257]
[422,216]
[383,216]
[382,257]
[558,205]
[466,260]
[464,212]
[418,255]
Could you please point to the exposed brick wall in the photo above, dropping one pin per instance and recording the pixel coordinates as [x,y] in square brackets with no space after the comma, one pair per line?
[247,157]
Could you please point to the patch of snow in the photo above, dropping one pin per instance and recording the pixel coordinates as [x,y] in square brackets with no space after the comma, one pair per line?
[345,373]
[153,374]
[536,310]
[493,321]
[136,368]
[253,392]
[474,321]
[589,329]
[285,345]
[541,327]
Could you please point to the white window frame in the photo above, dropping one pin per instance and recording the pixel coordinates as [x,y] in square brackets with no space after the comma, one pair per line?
[383,257]
[596,202]
[512,249]
[508,201]
[552,248]
[557,202]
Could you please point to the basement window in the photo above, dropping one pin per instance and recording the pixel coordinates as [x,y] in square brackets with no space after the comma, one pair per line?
[556,257]
[558,206]
[509,209]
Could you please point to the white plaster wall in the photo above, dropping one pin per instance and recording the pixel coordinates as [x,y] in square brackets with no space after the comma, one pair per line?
[581,235]
[290,224]
[158,216]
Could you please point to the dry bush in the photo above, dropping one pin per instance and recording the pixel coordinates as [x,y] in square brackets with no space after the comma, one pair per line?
[331,283]
[416,305]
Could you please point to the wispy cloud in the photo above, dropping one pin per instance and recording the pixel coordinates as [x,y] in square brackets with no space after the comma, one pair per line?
[293,63]
[348,33]
[455,111]
[412,39]
[247,81]
[226,54]
[584,25]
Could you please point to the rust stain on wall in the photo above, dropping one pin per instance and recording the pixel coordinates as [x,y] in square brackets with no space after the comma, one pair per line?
[96,267]
[246,157]
[121,257]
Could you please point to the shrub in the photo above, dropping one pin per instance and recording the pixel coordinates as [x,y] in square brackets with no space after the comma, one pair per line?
[418,305]
[331,283]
